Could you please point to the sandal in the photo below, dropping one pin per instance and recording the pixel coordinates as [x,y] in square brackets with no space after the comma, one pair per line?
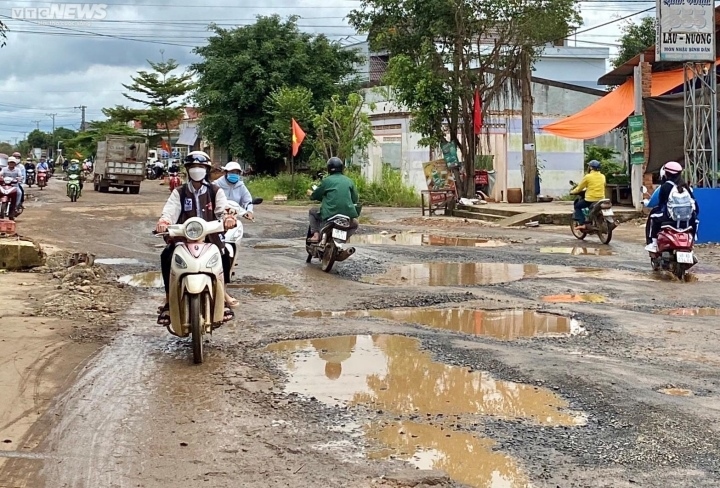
[164,315]
[228,315]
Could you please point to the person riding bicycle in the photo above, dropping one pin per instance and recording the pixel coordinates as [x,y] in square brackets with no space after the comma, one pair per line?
[593,184]
[337,194]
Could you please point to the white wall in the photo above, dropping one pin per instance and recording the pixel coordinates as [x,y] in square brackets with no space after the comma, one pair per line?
[576,65]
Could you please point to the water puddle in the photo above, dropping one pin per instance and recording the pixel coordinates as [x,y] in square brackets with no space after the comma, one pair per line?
[499,324]
[579,298]
[578,251]
[151,279]
[391,373]
[273,290]
[676,392]
[694,312]
[413,239]
[432,447]
[120,262]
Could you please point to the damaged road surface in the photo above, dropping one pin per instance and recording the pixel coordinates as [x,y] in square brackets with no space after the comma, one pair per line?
[446,354]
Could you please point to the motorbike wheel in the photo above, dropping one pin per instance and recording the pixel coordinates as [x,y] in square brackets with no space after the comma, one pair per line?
[579,234]
[604,232]
[196,329]
[73,195]
[328,258]
[679,270]
[309,258]
[5,211]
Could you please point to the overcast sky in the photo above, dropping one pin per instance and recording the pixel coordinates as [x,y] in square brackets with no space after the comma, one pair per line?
[54,68]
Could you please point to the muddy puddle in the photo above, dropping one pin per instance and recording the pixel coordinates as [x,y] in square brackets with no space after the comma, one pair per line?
[151,279]
[574,298]
[120,262]
[693,312]
[393,376]
[264,289]
[499,324]
[413,239]
[676,392]
[578,251]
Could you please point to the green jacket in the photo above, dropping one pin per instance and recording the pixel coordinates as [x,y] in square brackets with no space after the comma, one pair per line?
[338,195]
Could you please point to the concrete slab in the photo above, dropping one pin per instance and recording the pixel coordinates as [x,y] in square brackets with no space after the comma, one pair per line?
[17,254]
[517,220]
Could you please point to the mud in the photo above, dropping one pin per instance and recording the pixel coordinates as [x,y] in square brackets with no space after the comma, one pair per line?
[415,239]
[498,324]
[149,279]
[121,262]
[676,392]
[692,312]
[575,298]
[272,290]
[578,251]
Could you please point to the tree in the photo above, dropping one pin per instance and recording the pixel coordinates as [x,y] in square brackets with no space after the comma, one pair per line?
[38,138]
[283,105]
[6,148]
[160,91]
[441,51]
[85,143]
[343,129]
[636,39]
[241,67]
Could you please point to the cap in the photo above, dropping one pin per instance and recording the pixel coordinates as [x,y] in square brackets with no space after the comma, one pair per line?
[232,166]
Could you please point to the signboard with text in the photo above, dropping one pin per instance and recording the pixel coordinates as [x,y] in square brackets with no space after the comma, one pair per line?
[685,30]
[636,137]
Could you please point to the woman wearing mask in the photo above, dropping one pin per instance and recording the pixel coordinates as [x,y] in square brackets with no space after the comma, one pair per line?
[235,189]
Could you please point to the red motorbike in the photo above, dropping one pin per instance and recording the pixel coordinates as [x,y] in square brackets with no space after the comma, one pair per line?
[8,197]
[675,251]
[42,178]
[174,181]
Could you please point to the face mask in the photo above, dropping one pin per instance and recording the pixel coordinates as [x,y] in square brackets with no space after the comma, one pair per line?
[196,174]
[233,178]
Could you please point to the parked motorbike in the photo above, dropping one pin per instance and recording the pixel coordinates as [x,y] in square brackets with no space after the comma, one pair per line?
[30,177]
[197,290]
[8,199]
[42,178]
[599,220]
[233,236]
[73,187]
[175,182]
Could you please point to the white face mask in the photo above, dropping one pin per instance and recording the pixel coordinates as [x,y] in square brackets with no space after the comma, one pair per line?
[197,174]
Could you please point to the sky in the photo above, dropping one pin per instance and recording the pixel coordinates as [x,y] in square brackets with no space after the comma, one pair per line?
[56,67]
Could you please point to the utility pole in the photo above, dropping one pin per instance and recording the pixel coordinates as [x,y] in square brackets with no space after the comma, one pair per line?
[529,160]
[15,141]
[53,126]
[37,124]
[82,121]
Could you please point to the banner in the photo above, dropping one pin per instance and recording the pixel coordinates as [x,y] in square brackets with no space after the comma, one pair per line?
[685,30]
[636,137]
[438,178]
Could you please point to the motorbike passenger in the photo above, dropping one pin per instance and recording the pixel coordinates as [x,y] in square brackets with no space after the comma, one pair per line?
[194,199]
[235,189]
[593,184]
[338,195]
[74,169]
[13,172]
[672,204]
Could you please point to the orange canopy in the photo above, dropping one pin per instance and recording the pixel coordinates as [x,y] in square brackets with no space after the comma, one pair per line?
[611,110]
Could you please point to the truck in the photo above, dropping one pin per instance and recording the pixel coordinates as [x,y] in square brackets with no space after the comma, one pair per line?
[120,163]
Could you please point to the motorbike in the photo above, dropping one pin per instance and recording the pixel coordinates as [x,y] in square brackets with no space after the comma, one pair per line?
[197,289]
[42,178]
[599,220]
[8,199]
[174,181]
[233,236]
[334,236]
[150,172]
[30,177]
[73,187]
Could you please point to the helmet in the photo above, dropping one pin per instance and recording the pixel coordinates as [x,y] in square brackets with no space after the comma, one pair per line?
[232,166]
[594,164]
[17,155]
[74,161]
[198,157]
[335,165]
[672,168]
[12,159]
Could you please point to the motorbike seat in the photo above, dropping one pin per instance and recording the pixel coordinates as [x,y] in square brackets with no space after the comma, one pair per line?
[339,220]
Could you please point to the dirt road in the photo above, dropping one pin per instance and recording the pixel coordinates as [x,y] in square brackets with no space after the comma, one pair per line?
[503,358]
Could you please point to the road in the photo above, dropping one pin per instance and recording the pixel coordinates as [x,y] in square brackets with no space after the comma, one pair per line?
[510,358]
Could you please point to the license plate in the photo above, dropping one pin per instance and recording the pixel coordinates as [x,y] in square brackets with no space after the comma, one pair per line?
[339,234]
[685,257]
[607,213]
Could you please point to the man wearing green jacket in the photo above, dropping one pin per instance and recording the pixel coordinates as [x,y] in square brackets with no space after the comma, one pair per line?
[338,195]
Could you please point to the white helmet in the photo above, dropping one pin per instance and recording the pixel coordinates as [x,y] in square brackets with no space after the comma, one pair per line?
[198,157]
[232,166]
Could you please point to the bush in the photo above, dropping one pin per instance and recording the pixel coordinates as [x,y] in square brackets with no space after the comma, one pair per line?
[267,187]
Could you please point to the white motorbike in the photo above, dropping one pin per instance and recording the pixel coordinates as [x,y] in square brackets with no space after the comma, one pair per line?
[233,236]
[197,290]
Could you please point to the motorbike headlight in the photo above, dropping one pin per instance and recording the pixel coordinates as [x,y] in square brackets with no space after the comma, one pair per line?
[7,180]
[213,261]
[180,262]
[194,230]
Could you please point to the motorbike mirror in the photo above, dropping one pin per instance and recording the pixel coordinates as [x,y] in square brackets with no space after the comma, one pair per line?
[257,201]
[572,182]
[644,189]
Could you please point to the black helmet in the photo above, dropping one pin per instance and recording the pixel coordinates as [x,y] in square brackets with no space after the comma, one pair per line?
[335,165]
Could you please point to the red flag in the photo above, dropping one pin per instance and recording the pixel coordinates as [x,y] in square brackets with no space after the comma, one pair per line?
[298,136]
[477,119]
[164,144]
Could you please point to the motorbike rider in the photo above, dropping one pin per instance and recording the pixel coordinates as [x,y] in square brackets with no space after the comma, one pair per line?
[13,172]
[337,194]
[194,199]
[593,184]
[74,169]
[173,168]
[43,166]
[672,184]
[159,169]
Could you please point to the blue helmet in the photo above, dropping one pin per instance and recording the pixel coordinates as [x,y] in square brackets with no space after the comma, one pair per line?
[594,164]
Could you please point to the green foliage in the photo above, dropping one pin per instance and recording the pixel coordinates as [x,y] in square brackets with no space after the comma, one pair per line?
[285,104]
[85,143]
[615,173]
[38,138]
[267,187]
[6,148]
[600,153]
[636,39]
[343,129]
[241,67]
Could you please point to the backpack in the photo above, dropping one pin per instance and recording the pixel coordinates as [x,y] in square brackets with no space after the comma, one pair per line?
[680,206]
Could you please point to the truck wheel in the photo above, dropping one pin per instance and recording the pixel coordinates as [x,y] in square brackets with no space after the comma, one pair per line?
[103,188]
[134,190]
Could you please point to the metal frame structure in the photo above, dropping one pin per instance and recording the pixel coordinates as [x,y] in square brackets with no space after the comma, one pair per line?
[701,136]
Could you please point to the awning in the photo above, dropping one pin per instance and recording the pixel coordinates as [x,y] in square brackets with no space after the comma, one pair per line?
[188,136]
[611,110]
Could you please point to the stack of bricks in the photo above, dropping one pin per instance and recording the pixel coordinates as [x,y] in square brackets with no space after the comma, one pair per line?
[646,70]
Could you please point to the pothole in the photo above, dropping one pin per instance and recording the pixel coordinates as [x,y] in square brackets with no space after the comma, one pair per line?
[575,298]
[120,262]
[150,279]
[414,239]
[676,392]
[499,324]
[578,251]
[694,312]
[264,289]
[391,375]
